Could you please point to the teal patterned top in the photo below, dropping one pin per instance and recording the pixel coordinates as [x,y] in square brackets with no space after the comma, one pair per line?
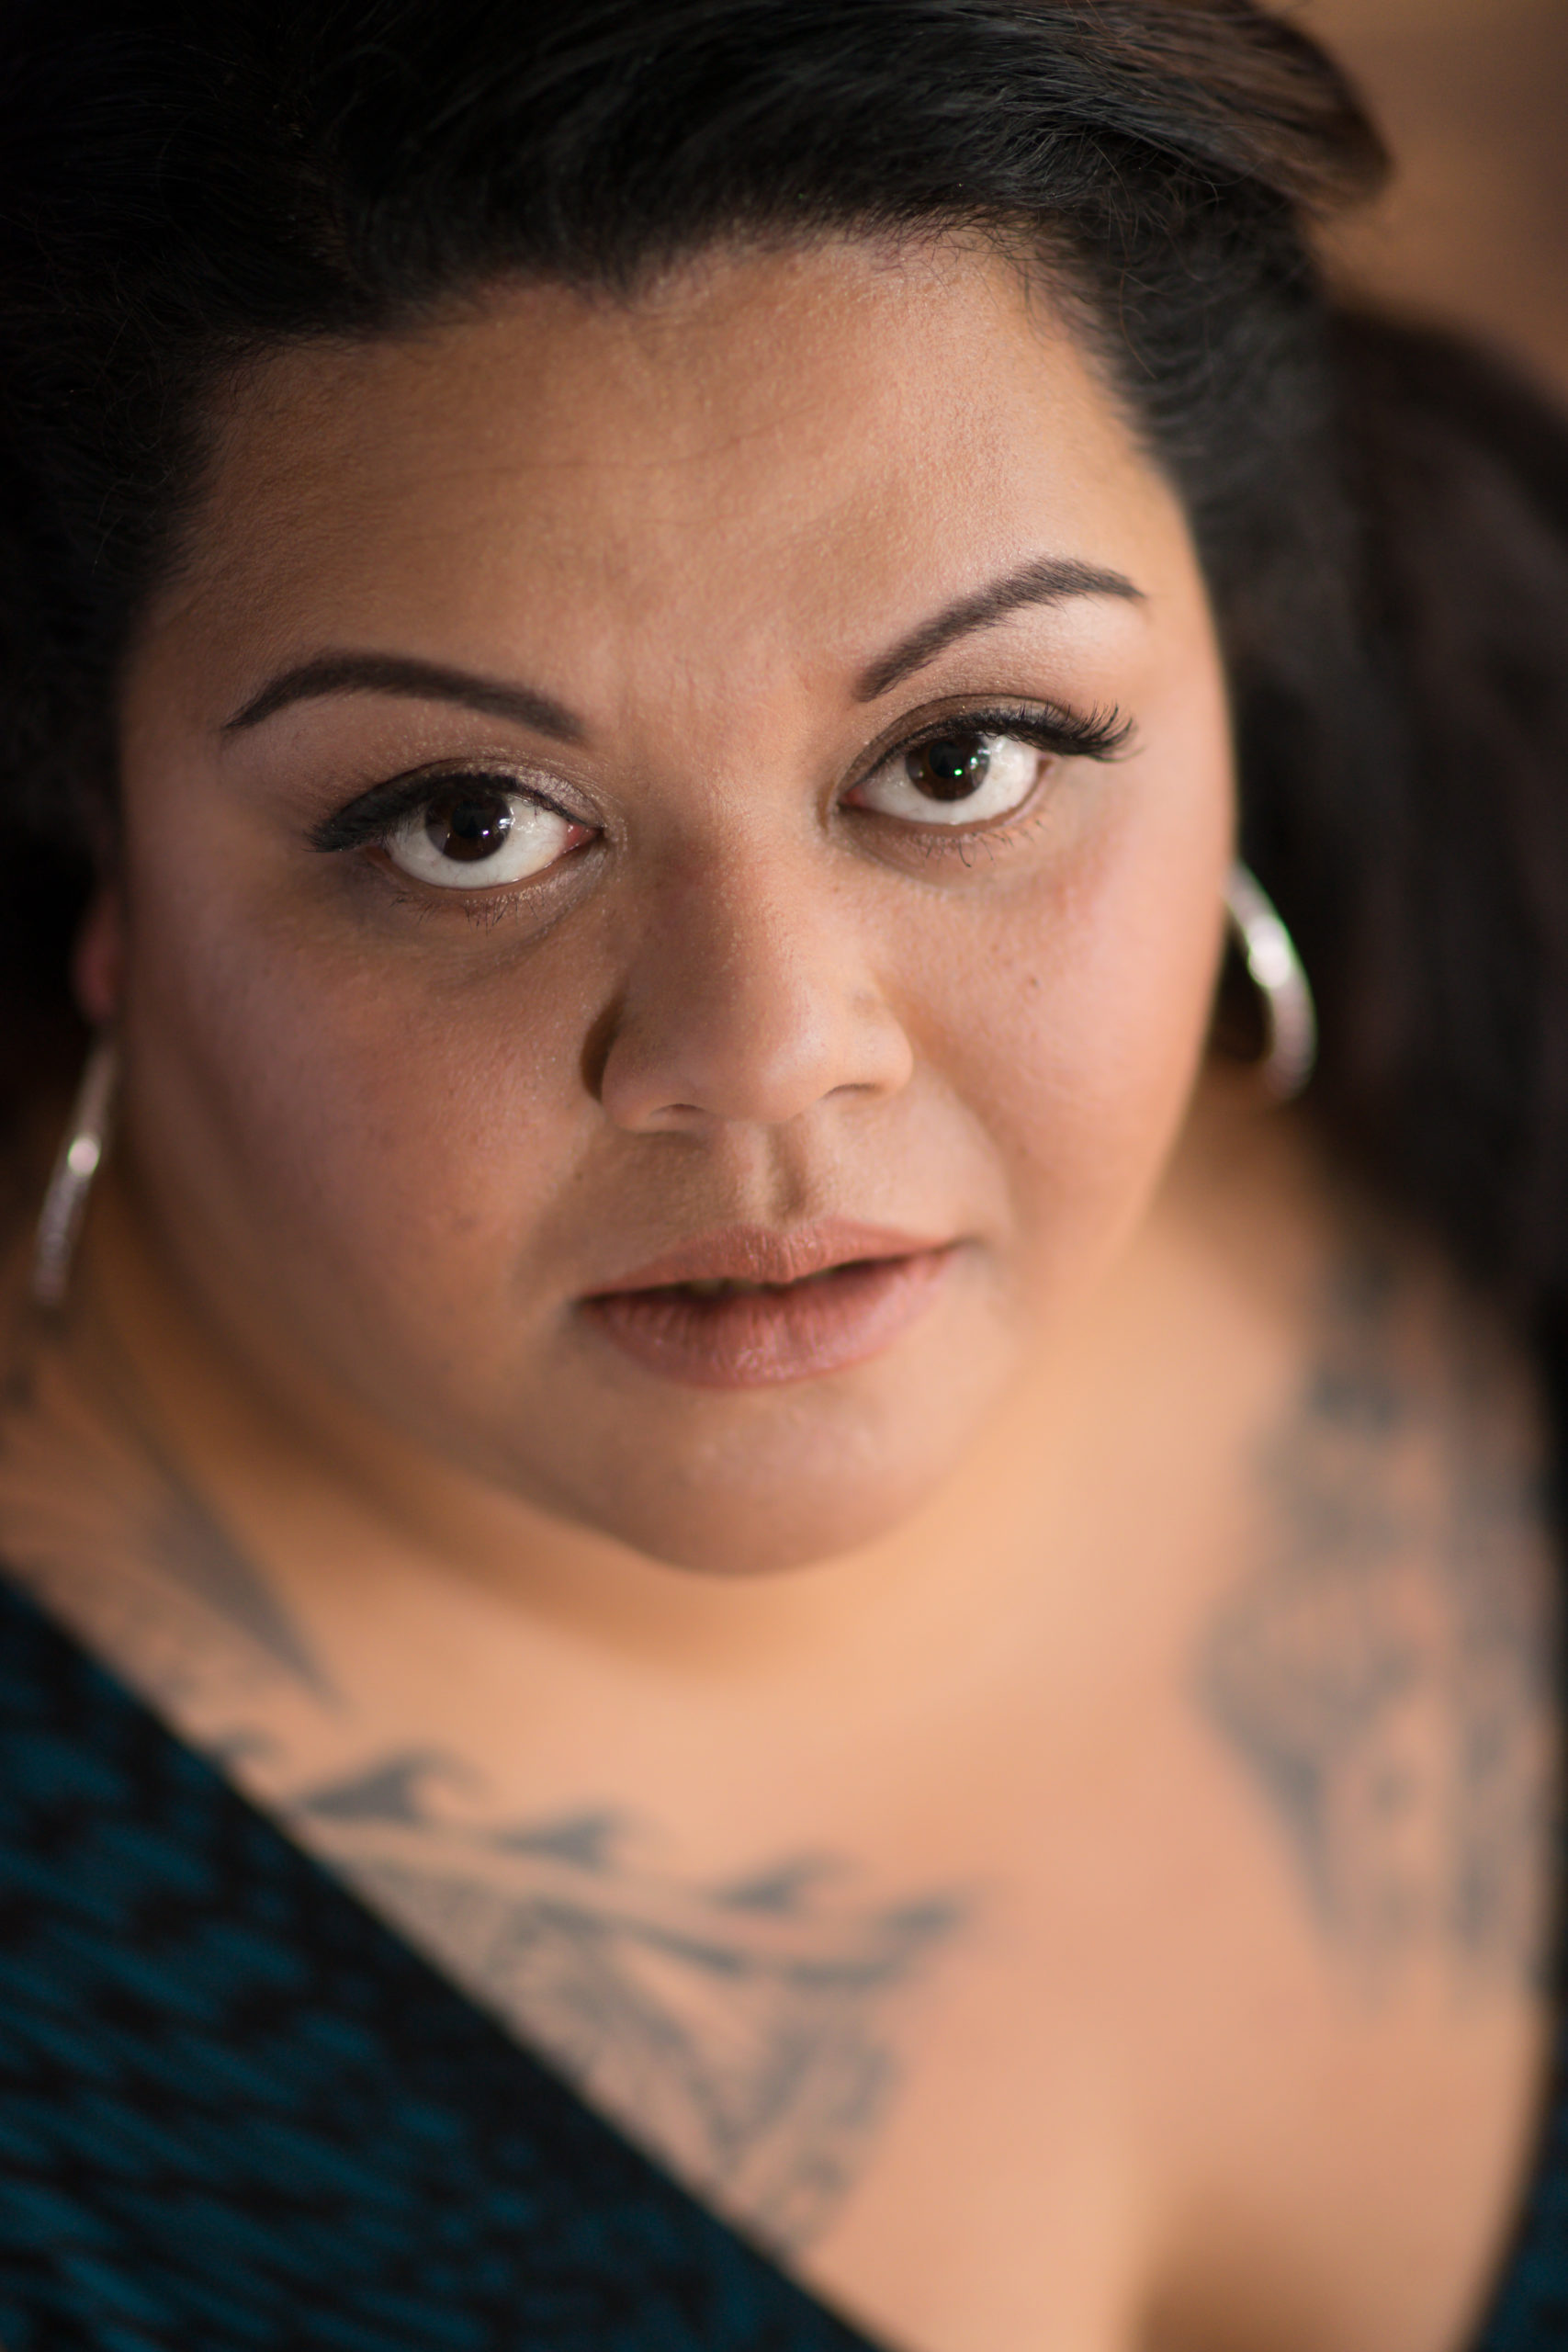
[237,2113]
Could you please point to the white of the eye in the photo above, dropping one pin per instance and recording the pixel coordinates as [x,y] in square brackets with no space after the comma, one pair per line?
[1009,778]
[538,836]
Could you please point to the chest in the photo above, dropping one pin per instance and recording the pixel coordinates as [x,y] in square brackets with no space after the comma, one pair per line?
[999,2042]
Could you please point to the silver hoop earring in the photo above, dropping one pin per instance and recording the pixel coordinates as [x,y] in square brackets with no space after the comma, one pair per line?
[79,1159]
[1274,968]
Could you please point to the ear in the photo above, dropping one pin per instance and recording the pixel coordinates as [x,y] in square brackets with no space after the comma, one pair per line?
[97,961]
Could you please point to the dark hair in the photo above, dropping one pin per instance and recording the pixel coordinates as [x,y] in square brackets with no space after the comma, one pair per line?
[1382,514]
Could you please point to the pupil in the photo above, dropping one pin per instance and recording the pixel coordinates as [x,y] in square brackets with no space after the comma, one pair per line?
[951,769]
[468,830]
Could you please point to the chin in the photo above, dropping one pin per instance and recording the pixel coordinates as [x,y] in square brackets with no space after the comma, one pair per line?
[758,1531]
[759,1501]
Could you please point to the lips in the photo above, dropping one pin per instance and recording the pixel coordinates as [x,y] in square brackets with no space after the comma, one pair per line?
[749,1309]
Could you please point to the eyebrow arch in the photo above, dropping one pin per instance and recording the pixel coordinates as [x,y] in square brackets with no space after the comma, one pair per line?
[391,674]
[1050,581]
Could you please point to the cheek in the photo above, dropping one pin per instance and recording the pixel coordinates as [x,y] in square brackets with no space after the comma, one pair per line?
[311,1111]
[1073,1024]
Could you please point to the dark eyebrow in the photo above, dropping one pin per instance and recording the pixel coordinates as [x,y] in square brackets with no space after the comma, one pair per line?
[391,674]
[1048,582]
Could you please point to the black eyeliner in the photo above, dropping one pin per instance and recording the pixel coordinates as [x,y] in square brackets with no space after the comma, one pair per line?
[1104,735]
[374,814]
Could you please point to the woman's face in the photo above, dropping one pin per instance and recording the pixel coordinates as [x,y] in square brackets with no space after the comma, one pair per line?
[629,802]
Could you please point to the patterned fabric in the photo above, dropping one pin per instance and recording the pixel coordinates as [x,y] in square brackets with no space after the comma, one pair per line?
[1530,2311]
[236,2112]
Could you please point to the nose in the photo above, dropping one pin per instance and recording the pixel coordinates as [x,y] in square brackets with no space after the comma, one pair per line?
[749,999]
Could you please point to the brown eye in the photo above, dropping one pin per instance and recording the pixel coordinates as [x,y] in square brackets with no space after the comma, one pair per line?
[469,828]
[476,835]
[953,769]
[964,778]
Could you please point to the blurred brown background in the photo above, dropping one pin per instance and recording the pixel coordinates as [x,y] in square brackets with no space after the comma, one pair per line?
[1473,94]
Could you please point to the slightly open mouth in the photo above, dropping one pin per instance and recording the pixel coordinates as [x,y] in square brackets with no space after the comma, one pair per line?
[731,1333]
[727,1287]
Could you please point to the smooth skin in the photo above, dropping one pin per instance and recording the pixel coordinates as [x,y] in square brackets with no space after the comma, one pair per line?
[742,1002]
[937,1610]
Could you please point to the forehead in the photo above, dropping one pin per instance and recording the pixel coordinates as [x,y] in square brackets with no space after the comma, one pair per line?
[765,441]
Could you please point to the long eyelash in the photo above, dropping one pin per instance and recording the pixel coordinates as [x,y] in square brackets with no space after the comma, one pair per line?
[377,812]
[1100,735]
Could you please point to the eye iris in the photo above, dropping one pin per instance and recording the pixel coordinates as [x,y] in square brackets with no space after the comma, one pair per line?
[470,828]
[951,769]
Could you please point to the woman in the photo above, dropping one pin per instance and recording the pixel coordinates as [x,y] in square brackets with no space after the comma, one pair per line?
[748,1607]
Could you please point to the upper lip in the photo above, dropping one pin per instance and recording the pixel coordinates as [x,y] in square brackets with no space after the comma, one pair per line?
[756,1253]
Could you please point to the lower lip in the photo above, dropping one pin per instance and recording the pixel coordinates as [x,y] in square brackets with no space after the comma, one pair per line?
[763,1339]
